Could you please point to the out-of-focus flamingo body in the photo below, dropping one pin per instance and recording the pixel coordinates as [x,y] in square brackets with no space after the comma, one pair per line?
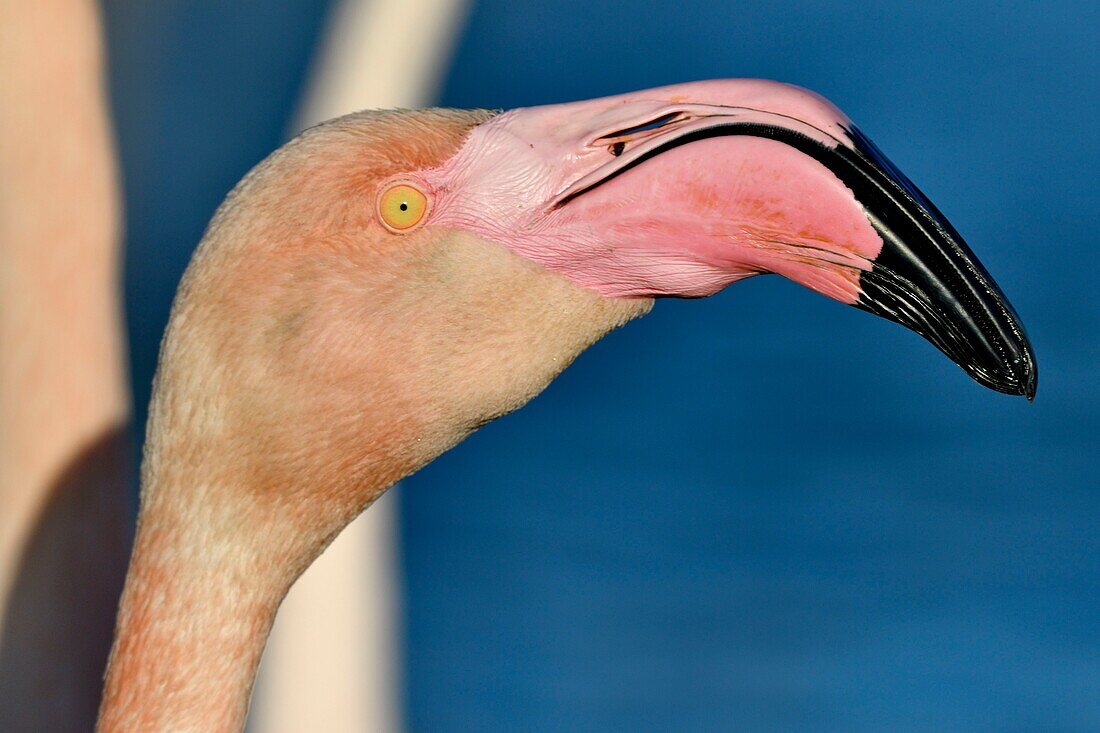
[65,473]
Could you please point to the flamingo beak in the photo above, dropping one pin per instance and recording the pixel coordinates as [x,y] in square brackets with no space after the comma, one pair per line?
[681,191]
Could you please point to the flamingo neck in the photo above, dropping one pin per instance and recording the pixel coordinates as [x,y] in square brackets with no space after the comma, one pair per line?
[195,614]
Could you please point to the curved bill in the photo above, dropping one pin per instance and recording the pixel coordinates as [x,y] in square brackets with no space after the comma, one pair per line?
[682,190]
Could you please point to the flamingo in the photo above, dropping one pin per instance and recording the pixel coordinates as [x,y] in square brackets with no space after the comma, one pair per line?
[388,282]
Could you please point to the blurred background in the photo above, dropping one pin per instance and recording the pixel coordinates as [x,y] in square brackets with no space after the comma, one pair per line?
[761,511]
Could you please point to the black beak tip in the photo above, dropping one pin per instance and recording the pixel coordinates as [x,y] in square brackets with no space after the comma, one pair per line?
[1031,377]
[985,339]
[1011,361]
[1016,376]
[927,279]
[1009,366]
[1021,377]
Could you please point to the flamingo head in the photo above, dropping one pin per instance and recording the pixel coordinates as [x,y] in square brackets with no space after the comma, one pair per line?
[388,282]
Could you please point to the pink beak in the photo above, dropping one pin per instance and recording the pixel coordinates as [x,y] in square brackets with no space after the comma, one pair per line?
[682,190]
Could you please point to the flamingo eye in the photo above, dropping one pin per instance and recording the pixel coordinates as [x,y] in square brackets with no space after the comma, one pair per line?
[401,207]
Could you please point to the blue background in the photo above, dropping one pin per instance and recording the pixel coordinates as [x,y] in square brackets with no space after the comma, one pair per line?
[761,511]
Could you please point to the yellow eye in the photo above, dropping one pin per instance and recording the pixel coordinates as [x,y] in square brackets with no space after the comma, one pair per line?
[401,207]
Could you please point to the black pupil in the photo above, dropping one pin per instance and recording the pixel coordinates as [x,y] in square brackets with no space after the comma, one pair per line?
[404,206]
